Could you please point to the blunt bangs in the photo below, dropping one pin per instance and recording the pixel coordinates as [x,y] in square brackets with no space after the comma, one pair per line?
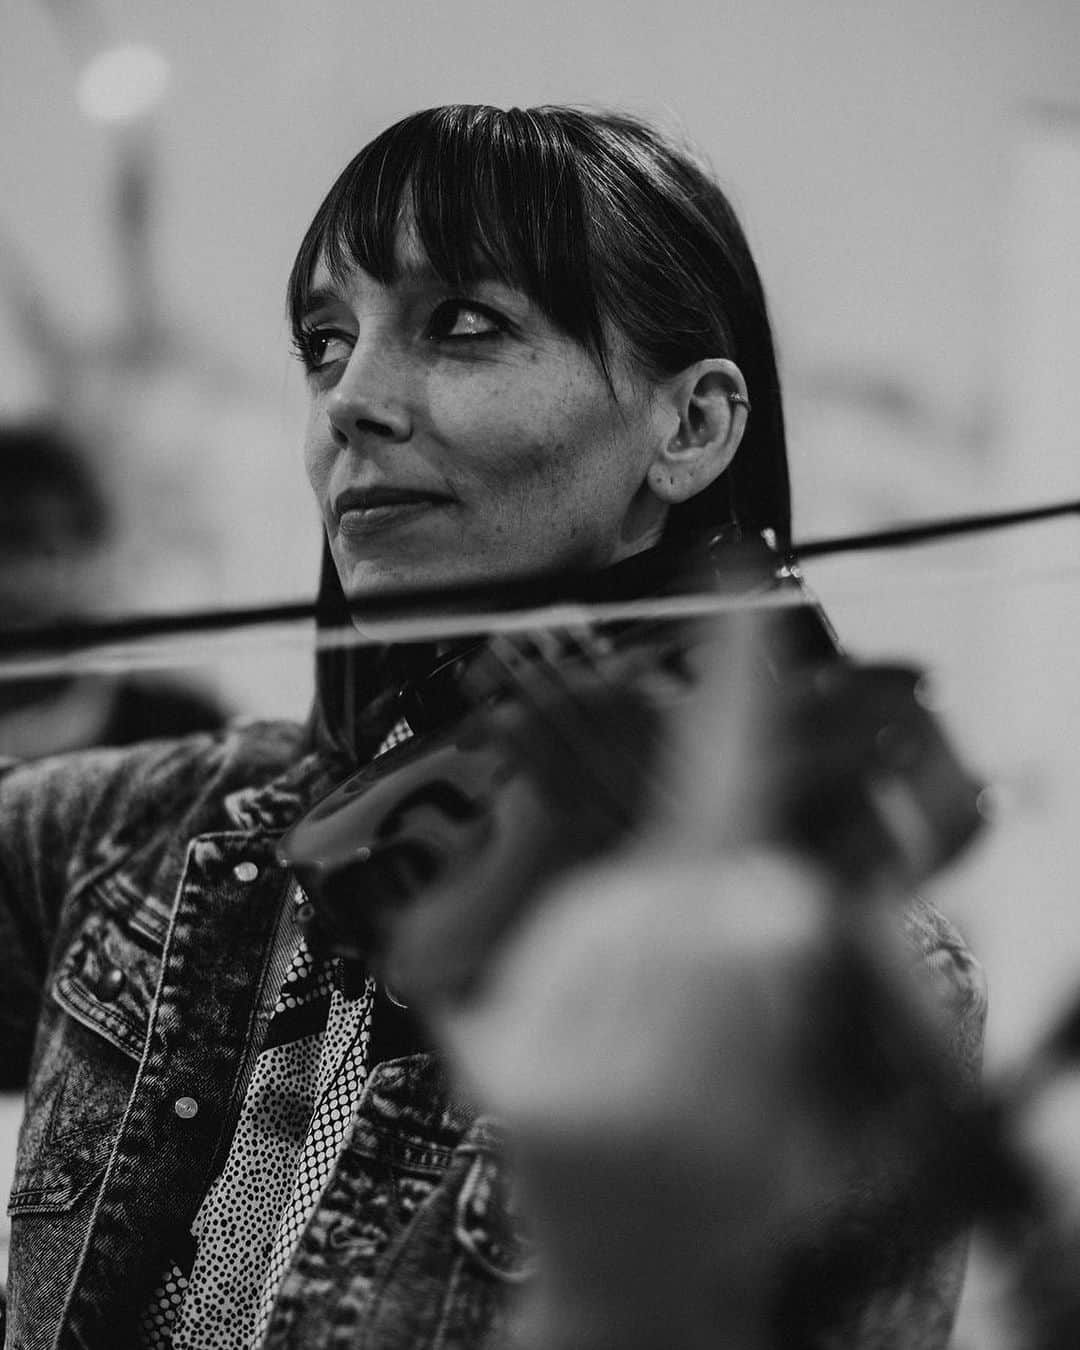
[485,190]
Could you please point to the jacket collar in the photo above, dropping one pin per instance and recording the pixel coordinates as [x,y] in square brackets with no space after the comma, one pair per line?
[272,807]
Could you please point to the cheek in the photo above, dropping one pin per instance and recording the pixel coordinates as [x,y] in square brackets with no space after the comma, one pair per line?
[527,482]
[318,455]
[526,440]
[544,503]
[544,453]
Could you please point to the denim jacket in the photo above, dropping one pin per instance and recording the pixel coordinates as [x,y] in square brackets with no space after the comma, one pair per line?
[139,891]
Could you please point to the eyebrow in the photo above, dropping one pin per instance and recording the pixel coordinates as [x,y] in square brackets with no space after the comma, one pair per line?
[318,297]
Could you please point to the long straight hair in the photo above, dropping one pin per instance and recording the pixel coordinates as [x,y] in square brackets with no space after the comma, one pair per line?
[610,229]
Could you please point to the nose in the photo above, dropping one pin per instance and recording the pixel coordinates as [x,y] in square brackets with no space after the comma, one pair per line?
[369,400]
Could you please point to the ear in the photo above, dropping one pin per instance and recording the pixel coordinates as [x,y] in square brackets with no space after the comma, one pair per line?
[709,404]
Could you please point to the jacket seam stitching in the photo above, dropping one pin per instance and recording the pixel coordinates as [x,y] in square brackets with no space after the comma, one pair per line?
[110,1165]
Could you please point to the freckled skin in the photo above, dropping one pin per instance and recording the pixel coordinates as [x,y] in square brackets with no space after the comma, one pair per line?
[509,421]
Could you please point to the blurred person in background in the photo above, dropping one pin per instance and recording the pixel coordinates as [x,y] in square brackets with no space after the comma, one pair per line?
[534,341]
[55,537]
[55,534]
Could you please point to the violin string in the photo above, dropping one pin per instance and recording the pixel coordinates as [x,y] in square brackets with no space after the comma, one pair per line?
[202,623]
[102,647]
[656,781]
[572,721]
[19,659]
[556,702]
[932,531]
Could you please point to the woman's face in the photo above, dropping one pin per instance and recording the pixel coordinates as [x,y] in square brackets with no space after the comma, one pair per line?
[455,435]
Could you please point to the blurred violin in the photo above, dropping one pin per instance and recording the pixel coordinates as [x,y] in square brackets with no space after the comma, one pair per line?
[540,751]
[809,791]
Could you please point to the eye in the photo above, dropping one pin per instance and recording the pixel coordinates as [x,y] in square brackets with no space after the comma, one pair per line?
[319,345]
[465,319]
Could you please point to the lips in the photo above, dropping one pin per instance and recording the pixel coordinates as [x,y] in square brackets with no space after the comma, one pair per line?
[359,506]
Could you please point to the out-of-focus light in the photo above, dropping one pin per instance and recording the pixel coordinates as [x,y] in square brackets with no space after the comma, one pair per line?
[122,83]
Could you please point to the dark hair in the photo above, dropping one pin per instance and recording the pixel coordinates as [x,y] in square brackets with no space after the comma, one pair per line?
[599,220]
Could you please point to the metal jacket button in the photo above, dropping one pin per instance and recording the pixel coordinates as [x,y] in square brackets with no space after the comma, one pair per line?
[186,1107]
[111,982]
[245,871]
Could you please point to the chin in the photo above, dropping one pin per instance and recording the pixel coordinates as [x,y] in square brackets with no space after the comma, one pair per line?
[371,578]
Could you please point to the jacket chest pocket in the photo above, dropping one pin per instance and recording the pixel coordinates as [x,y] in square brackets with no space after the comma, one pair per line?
[91,1040]
[107,980]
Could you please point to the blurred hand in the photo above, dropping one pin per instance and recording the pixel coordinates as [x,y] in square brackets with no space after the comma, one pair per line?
[663,1038]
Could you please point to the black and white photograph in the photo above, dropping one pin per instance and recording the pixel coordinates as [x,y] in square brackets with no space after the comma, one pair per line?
[539,675]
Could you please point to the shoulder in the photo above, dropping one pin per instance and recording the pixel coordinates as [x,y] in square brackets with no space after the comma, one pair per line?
[152,779]
[145,708]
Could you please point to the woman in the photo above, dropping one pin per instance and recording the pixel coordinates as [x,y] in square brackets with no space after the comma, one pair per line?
[532,340]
